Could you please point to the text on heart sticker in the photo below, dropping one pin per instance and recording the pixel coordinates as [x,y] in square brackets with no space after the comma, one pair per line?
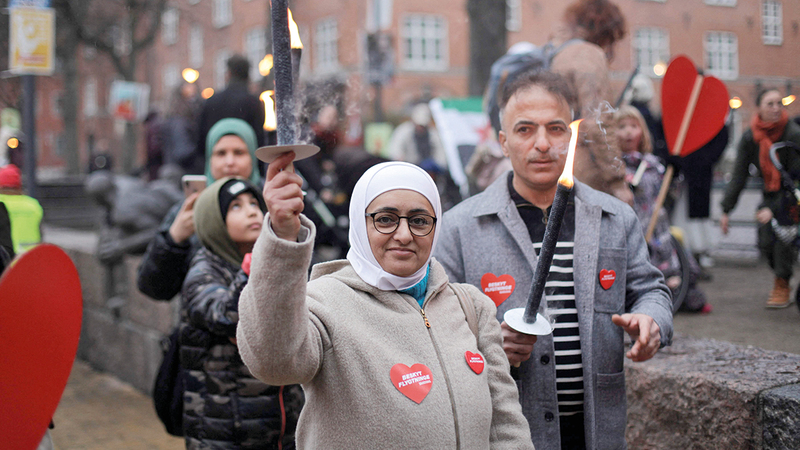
[607,278]
[414,382]
[497,288]
[475,361]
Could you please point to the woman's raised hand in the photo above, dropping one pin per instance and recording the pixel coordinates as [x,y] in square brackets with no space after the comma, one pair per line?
[284,197]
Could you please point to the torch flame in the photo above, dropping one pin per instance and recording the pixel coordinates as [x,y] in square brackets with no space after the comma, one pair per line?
[270,121]
[295,35]
[566,176]
[265,66]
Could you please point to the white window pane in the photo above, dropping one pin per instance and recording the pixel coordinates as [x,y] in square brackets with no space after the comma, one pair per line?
[196,46]
[425,43]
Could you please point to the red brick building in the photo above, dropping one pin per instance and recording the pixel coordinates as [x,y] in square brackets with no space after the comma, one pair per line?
[743,42]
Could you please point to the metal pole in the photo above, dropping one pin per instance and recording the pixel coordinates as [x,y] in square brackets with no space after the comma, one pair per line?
[29,128]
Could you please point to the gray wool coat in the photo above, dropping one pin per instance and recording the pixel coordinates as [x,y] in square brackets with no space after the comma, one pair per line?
[485,234]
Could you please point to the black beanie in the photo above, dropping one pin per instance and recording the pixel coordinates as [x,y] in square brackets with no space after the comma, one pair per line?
[234,188]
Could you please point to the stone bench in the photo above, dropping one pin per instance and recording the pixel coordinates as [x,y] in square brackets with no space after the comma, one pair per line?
[707,394]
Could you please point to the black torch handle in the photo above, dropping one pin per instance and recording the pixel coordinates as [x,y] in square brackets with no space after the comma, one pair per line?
[282,60]
[546,253]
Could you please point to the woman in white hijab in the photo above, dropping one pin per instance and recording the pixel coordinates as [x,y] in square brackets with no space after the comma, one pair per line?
[385,350]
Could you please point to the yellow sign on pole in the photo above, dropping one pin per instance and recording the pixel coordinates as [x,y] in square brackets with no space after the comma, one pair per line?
[32,50]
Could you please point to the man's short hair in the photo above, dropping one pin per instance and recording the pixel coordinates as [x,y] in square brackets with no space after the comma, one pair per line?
[549,81]
[239,67]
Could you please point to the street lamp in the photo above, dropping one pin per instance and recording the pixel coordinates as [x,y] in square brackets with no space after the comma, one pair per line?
[660,68]
[190,75]
[735,103]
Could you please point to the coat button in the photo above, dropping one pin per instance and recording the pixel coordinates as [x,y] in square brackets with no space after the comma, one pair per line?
[548,416]
[545,359]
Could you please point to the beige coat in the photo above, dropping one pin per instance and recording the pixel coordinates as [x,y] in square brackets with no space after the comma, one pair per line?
[340,337]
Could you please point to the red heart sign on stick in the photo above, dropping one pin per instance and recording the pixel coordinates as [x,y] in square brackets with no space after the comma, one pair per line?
[693,110]
[42,307]
[414,382]
[709,110]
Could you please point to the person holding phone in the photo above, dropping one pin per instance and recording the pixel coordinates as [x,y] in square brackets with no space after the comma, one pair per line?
[230,152]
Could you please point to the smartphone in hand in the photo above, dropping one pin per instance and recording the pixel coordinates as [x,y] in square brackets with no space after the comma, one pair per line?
[192,184]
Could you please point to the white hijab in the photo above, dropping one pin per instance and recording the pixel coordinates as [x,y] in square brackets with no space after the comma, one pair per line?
[375,181]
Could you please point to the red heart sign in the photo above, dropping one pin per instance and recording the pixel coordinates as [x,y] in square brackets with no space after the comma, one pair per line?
[474,361]
[607,278]
[41,304]
[414,382]
[710,110]
[497,288]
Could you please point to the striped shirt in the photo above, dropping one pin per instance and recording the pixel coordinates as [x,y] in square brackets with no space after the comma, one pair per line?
[559,293]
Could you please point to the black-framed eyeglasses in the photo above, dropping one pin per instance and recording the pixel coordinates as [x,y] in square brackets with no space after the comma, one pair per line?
[386,222]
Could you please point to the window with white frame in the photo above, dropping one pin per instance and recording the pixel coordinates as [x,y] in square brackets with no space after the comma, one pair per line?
[730,3]
[650,47]
[222,13]
[722,54]
[220,68]
[171,77]
[169,26]
[379,15]
[772,22]
[196,46]
[90,97]
[424,43]
[326,45]
[255,47]
[513,15]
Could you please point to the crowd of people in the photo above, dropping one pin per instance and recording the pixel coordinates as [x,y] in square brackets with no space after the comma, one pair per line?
[345,298]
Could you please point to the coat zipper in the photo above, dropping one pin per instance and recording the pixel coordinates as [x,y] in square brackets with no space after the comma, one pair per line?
[446,378]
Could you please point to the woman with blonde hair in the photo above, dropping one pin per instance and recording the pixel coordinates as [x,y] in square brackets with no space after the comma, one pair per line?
[645,172]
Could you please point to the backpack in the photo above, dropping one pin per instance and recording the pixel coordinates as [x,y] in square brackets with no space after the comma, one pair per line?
[509,66]
[168,386]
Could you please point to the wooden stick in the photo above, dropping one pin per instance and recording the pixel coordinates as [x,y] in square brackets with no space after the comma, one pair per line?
[676,150]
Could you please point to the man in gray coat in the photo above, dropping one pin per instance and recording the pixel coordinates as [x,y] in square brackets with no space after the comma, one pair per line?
[601,283]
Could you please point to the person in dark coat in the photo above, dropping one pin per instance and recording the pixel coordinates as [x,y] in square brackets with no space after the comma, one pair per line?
[225,407]
[770,123]
[235,101]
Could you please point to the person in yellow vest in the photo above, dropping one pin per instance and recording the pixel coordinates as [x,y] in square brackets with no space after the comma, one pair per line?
[24,211]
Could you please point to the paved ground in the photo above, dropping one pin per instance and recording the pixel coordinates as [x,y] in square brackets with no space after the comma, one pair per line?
[737,294]
[99,412]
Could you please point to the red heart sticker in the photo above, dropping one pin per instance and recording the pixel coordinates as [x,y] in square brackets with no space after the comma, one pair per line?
[474,361]
[709,113]
[497,288]
[40,297]
[607,278]
[414,382]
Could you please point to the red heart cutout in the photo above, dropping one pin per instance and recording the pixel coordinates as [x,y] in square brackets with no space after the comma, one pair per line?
[497,288]
[607,278]
[41,304]
[710,111]
[414,382]
[474,361]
